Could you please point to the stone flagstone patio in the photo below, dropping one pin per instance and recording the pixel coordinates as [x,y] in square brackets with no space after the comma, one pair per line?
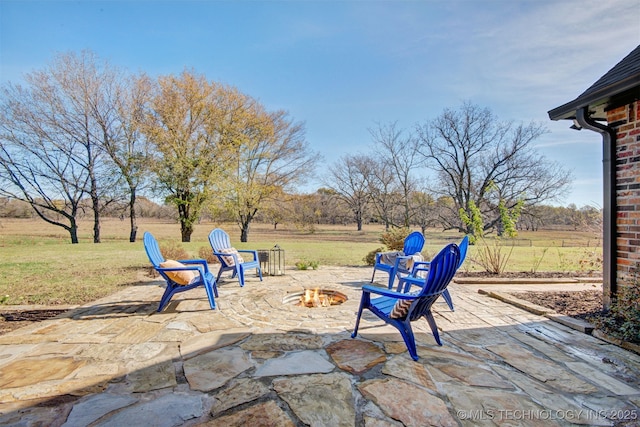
[256,361]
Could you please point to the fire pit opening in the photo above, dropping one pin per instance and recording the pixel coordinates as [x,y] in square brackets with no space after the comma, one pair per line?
[315,298]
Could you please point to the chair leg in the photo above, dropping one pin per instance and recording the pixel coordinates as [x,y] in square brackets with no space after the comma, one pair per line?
[365,299]
[392,276]
[239,271]
[433,326]
[219,274]
[447,298]
[409,339]
[374,275]
[215,289]
[209,288]
[166,297]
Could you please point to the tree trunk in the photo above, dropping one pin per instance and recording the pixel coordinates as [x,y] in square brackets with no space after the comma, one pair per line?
[132,216]
[244,229]
[93,192]
[73,232]
[186,225]
[95,201]
[186,232]
[96,227]
[245,222]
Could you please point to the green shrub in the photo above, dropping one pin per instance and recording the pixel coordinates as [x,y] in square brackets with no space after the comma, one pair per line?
[591,261]
[169,250]
[623,320]
[564,264]
[173,250]
[537,260]
[305,265]
[394,238]
[206,253]
[491,255]
[370,258]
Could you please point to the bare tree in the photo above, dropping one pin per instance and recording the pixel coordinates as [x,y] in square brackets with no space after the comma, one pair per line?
[51,143]
[479,159]
[425,210]
[383,190]
[75,88]
[40,173]
[333,210]
[123,140]
[348,179]
[400,151]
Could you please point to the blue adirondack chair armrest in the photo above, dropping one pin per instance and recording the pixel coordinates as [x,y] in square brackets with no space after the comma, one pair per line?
[398,258]
[409,281]
[202,262]
[401,258]
[387,292]
[378,256]
[224,254]
[250,251]
[197,268]
[420,266]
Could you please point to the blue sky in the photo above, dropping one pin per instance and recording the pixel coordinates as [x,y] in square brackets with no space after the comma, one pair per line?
[344,66]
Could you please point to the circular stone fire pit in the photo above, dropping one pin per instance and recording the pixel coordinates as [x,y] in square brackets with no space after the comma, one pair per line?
[315,298]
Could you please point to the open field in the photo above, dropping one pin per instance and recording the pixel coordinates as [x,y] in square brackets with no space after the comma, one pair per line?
[39,265]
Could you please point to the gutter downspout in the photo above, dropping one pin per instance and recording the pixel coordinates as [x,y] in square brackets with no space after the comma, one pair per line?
[609,247]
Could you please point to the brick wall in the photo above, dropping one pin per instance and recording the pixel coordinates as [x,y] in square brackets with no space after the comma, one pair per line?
[626,122]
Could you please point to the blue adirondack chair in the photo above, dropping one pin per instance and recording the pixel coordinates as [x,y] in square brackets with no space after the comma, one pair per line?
[413,244]
[404,284]
[399,309]
[222,249]
[196,267]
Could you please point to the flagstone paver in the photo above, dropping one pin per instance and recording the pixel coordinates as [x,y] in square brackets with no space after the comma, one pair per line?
[260,360]
[355,356]
[408,403]
[319,399]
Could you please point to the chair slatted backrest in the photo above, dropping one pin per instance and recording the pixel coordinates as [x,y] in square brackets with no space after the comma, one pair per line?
[463,246]
[413,243]
[152,249]
[441,270]
[219,239]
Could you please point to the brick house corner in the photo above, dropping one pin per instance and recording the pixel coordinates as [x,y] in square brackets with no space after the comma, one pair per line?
[611,107]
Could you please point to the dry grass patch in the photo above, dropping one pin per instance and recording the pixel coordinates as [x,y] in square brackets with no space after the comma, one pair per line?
[38,264]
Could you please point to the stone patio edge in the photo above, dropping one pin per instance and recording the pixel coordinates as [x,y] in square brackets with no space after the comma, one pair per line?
[568,321]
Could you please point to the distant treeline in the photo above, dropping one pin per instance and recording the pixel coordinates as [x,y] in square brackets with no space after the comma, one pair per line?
[320,208]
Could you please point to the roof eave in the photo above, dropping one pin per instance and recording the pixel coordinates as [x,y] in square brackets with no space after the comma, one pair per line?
[599,97]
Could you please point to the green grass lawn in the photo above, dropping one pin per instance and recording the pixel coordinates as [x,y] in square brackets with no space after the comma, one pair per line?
[39,265]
